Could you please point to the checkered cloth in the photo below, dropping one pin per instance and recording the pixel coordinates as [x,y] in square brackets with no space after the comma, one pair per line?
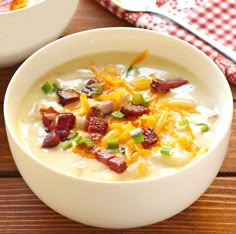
[216,18]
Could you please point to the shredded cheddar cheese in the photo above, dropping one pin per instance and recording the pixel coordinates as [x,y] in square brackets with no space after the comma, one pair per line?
[163,115]
[17,4]
[84,109]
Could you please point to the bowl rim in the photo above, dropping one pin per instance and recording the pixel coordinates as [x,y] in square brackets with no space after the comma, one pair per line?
[191,164]
[22,9]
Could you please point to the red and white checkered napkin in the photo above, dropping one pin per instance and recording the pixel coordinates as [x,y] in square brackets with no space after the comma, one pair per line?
[216,18]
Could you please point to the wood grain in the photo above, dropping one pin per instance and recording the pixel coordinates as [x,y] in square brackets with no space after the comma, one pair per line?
[22,212]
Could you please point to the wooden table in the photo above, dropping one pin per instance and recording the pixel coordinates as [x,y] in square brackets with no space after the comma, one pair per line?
[22,212]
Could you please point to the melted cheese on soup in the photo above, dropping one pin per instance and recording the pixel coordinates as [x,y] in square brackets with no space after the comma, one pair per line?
[177,127]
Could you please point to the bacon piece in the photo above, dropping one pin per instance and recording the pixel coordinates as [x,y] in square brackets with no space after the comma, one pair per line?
[65,123]
[117,164]
[164,86]
[104,156]
[88,89]
[94,112]
[49,121]
[68,96]
[134,110]
[95,137]
[49,118]
[58,126]
[52,139]
[150,137]
[97,125]
[64,133]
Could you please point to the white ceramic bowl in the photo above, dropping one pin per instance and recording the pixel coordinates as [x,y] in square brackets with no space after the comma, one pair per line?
[24,31]
[119,204]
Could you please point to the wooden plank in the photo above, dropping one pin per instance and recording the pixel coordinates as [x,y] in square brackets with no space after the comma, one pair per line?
[22,212]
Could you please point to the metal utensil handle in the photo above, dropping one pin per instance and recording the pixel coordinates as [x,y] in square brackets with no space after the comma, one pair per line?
[218,46]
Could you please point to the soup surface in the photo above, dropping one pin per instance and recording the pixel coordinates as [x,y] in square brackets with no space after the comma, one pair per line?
[10,5]
[117,116]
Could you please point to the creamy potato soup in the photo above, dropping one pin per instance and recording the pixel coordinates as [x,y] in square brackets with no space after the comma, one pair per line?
[117,116]
[10,5]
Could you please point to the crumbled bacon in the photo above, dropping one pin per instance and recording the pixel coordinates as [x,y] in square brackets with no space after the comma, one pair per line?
[52,139]
[94,112]
[88,89]
[117,164]
[164,86]
[65,121]
[49,121]
[150,137]
[68,96]
[134,110]
[95,137]
[58,126]
[97,125]
[104,156]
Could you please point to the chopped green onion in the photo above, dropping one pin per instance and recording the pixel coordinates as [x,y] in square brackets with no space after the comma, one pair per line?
[137,135]
[118,114]
[99,89]
[81,140]
[132,68]
[165,150]
[146,101]
[204,127]
[56,87]
[66,145]
[113,143]
[183,123]
[72,135]
[47,87]
[139,99]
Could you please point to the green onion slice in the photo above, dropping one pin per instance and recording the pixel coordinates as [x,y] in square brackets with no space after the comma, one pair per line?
[99,89]
[81,140]
[72,135]
[113,143]
[204,127]
[66,145]
[118,114]
[183,123]
[137,135]
[47,87]
[132,68]
[138,99]
[165,150]
[56,87]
